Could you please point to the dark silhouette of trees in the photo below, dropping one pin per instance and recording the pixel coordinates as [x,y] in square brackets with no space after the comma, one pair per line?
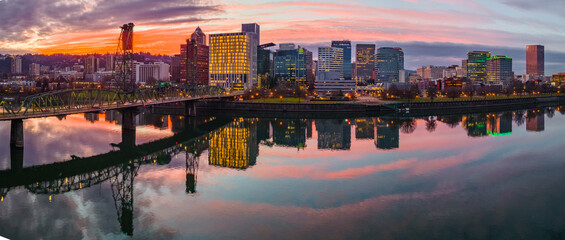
[432,92]
[408,126]
[453,92]
[519,118]
[469,90]
[393,91]
[431,124]
[530,87]
[410,92]
[451,121]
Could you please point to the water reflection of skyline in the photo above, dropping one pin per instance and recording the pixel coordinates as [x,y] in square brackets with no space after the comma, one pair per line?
[332,134]
[237,144]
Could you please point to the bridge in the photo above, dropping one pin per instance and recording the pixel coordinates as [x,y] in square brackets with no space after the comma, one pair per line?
[119,167]
[60,103]
[74,101]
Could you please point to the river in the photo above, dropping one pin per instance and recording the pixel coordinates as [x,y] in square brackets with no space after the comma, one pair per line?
[497,175]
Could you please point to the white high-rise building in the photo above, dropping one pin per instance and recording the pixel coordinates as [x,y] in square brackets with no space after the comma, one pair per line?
[17,65]
[329,77]
[150,73]
[330,62]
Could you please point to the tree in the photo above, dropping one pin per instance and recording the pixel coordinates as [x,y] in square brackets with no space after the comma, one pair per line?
[453,92]
[432,92]
[410,92]
[469,90]
[393,91]
[518,87]
[519,118]
[431,124]
[408,126]
[298,92]
[451,121]
[482,91]
[562,88]
[530,87]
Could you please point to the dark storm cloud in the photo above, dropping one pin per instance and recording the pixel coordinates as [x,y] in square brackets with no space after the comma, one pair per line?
[444,54]
[23,20]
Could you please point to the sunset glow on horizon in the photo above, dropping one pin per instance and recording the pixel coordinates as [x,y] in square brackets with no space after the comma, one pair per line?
[78,27]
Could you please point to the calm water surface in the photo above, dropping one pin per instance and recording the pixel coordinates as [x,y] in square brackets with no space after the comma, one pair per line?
[479,176]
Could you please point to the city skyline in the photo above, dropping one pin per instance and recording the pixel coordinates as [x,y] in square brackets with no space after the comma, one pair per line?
[421,25]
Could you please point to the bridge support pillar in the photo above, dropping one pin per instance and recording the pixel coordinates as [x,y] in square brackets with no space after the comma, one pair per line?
[17,133]
[16,157]
[128,128]
[190,108]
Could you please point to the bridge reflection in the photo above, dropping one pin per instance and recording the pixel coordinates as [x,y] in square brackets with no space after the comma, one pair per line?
[230,142]
[119,167]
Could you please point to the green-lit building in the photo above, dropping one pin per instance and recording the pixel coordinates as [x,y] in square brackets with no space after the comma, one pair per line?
[499,69]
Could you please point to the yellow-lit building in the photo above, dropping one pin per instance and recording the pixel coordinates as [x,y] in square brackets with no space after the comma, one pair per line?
[234,146]
[233,59]
[558,79]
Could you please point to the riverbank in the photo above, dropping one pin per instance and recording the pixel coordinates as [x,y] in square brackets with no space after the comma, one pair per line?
[364,107]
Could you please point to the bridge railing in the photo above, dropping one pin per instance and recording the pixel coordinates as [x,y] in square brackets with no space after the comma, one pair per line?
[80,99]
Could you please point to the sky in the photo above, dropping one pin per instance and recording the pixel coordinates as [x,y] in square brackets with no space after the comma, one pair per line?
[432,32]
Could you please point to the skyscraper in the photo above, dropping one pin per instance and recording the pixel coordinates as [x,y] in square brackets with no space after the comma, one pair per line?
[388,63]
[387,134]
[34,69]
[234,146]
[535,60]
[364,61]
[290,65]
[346,46]
[92,64]
[289,133]
[110,59]
[252,28]
[17,65]
[477,65]
[333,134]
[233,59]
[364,128]
[264,67]
[194,59]
[175,68]
[499,69]
[330,63]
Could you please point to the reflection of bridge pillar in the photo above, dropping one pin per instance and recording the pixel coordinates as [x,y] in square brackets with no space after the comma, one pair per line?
[189,123]
[128,128]
[190,108]
[122,192]
[17,157]
[191,171]
[17,133]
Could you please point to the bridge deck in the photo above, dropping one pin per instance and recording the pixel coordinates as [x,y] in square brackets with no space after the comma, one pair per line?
[7,117]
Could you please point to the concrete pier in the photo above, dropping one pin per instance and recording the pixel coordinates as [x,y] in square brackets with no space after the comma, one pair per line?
[17,133]
[128,127]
